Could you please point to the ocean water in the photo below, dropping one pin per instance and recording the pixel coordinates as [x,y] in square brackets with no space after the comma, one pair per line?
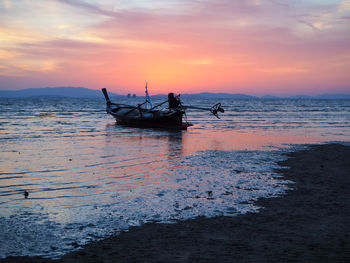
[88,178]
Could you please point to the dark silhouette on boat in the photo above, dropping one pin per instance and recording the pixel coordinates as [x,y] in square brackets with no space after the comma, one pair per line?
[173,117]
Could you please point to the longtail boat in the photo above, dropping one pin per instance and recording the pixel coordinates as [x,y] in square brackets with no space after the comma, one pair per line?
[172,117]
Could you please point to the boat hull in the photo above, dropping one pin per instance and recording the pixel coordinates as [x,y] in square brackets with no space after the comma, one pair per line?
[134,117]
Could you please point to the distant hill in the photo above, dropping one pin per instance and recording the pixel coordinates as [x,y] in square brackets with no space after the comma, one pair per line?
[80,92]
[318,97]
[270,97]
[208,95]
[71,92]
[299,97]
[332,96]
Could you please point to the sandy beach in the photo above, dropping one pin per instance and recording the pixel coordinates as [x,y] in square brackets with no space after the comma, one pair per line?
[308,224]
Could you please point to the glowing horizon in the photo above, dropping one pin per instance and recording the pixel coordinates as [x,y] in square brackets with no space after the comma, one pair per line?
[254,47]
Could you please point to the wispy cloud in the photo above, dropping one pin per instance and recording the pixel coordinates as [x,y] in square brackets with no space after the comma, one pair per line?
[226,42]
[282,70]
[90,8]
[199,62]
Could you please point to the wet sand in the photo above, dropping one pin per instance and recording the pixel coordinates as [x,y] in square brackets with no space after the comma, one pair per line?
[311,223]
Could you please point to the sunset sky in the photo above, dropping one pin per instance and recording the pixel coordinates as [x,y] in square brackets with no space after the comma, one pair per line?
[254,47]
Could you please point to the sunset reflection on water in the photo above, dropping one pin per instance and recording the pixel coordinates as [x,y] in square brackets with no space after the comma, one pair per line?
[118,159]
[88,177]
[228,140]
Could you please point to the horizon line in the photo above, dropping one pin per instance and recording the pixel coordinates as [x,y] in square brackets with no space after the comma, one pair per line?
[194,93]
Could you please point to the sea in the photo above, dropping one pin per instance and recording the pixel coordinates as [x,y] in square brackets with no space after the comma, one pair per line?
[88,178]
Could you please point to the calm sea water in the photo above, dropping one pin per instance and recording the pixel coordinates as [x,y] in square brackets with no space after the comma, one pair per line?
[88,178]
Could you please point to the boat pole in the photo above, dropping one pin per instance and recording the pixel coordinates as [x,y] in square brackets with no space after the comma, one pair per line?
[158,105]
[106,96]
[214,109]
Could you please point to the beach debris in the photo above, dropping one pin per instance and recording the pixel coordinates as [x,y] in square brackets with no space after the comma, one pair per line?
[70,159]
[26,194]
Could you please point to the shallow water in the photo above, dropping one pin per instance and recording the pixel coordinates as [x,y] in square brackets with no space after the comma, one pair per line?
[88,177]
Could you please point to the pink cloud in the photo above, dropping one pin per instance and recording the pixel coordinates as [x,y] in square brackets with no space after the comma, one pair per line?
[245,42]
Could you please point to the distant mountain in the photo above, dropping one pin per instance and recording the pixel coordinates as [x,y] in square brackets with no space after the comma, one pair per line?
[71,92]
[332,96]
[208,95]
[80,92]
[299,97]
[270,97]
[319,97]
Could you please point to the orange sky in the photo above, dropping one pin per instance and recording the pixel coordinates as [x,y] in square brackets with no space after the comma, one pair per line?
[255,47]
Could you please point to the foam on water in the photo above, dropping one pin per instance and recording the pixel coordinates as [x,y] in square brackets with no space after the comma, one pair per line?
[209,183]
[88,178]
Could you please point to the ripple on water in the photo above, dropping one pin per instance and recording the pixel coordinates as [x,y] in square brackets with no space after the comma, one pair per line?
[88,177]
[209,183]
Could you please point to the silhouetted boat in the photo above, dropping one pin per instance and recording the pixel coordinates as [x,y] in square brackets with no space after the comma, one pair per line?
[173,117]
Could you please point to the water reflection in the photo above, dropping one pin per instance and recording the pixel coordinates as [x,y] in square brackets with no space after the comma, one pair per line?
[230,139]
[86,175]
[154,142]
[176,144]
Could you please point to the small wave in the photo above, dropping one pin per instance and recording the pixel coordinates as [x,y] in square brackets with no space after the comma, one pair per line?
[93,177]
[8,178]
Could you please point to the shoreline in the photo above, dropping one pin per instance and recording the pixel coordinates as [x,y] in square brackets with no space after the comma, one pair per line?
[310,223]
